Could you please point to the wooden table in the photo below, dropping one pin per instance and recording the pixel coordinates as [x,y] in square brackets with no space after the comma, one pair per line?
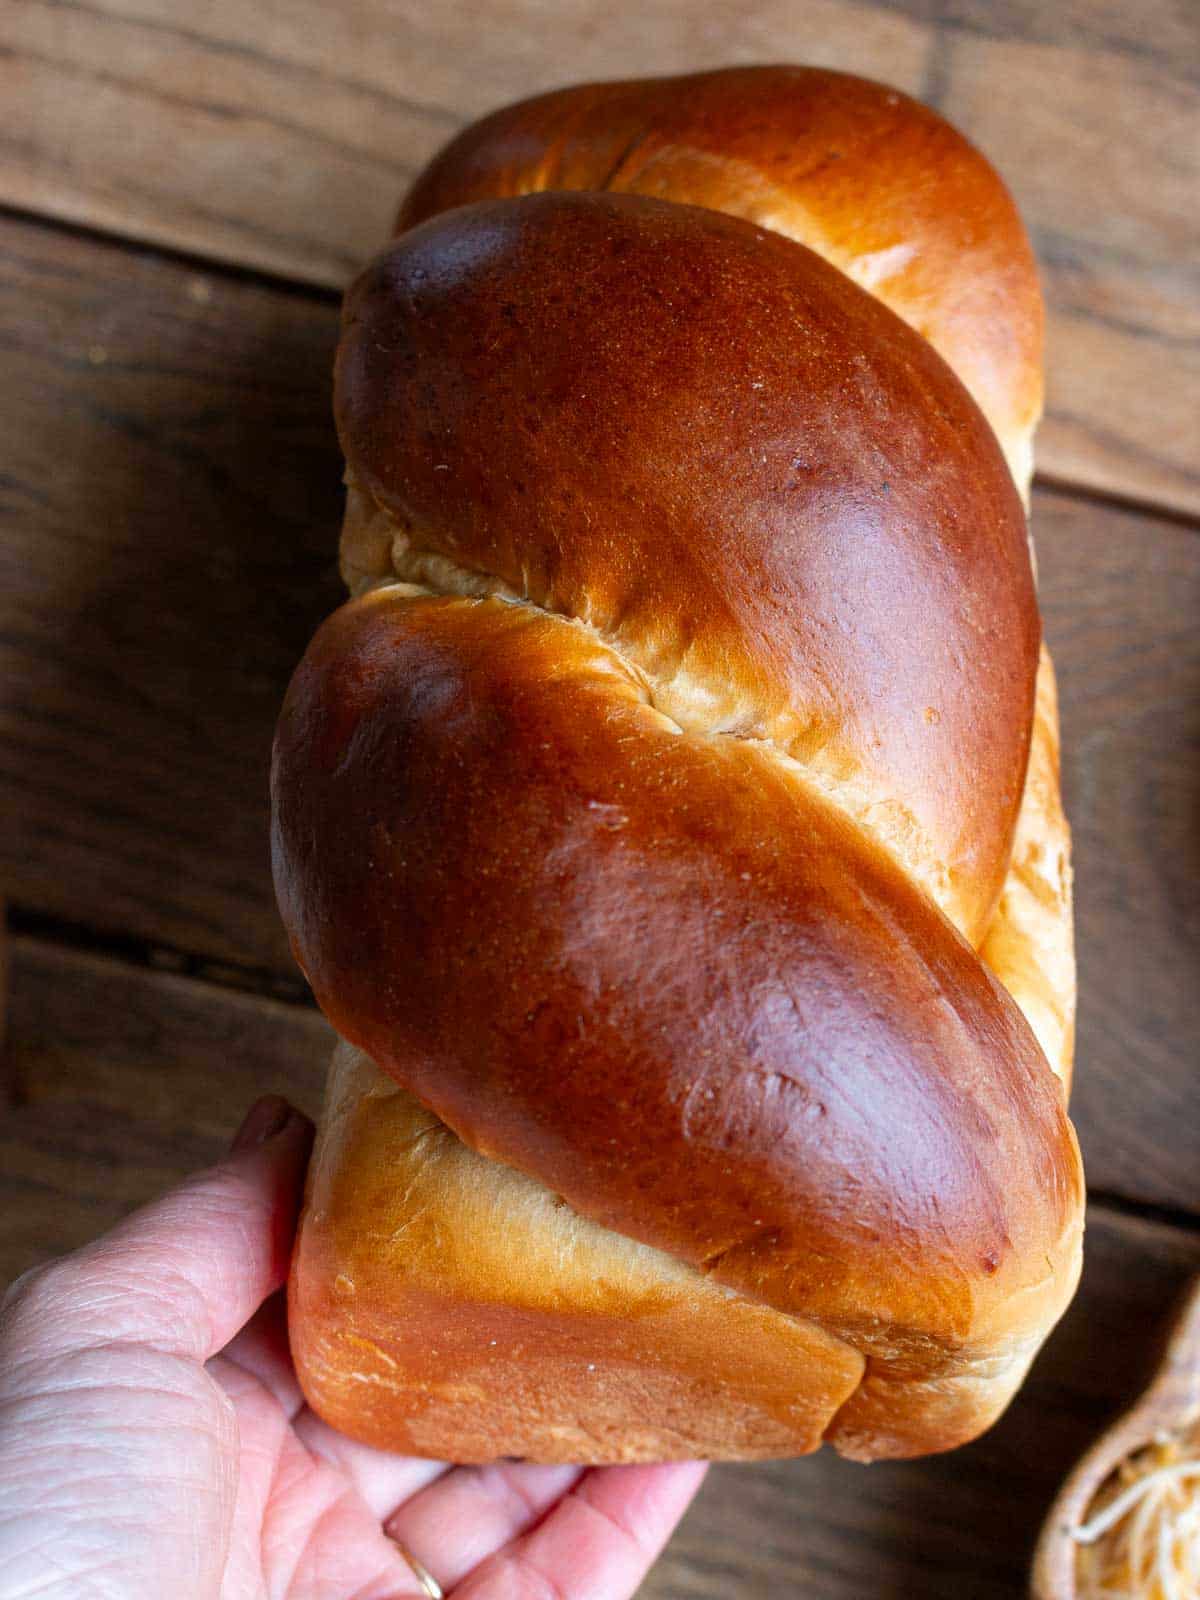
[187,189]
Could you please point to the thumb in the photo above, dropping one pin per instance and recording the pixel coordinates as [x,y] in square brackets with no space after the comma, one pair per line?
[185,1273]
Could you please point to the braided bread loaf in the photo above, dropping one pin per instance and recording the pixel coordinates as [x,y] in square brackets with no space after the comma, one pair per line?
[669,826]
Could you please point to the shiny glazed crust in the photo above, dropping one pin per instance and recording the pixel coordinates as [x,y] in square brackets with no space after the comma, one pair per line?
[872,180]
[746,474]
[645,813]
[443,1304]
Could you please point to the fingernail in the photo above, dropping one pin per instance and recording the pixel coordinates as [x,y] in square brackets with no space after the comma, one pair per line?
[265,1118]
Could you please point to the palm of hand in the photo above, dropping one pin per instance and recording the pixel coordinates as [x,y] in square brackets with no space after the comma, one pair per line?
[134,1463]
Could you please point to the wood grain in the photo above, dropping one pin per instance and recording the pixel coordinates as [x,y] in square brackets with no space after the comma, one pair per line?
[1121,596]
[281,137]
[170,505]
[129,1078]
[1101,145]
[168,518]
[123,1079]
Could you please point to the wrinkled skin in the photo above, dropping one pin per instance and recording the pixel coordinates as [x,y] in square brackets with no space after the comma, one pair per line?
[153,1439]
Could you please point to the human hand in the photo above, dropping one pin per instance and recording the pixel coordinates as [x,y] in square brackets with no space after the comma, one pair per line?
[154,1442]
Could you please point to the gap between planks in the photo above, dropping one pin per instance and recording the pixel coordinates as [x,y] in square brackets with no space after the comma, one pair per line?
[1111,499]
[193,261]
[132,951]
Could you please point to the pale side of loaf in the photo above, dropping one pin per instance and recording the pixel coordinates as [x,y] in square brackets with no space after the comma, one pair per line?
[446,1305]
[674,814]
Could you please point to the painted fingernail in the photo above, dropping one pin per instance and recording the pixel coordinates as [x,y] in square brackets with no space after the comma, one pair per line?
[265,1118]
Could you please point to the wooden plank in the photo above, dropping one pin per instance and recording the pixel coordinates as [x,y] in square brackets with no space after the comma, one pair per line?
[130,1078]
[1121,598]
[169,520]
[124,1079]
[1101,146]
[301,124]
[170,505]
[86,1029]
[281,137]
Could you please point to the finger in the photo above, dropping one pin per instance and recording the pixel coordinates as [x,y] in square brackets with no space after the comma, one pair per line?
[597,1543]
[184,1273]
[298,1529]
[261,1349]
[382,1480]
[473,1511]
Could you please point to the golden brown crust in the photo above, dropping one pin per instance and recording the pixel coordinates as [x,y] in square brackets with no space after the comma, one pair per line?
[1030,942]
[661,974]
[742,470]
[872,180]
[445,1305]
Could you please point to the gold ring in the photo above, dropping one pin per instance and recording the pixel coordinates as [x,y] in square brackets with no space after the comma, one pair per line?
[421,1573]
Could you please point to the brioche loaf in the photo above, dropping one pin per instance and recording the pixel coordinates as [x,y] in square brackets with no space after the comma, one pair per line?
[669,824]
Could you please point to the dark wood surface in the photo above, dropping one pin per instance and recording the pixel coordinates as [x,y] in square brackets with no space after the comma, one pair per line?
[171,496]
[169,502]
[122,1078]
[1121,595]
